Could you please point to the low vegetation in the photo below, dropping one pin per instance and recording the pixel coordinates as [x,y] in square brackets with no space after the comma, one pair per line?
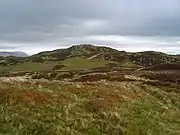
[87,90]
[82,63]
[93,108]
[68,64]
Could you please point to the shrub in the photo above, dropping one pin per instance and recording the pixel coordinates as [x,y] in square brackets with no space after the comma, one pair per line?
[65,75]
[37,59]
[58,67]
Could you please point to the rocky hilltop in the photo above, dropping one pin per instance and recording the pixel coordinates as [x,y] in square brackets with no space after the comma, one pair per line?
[85,56]
[147,58]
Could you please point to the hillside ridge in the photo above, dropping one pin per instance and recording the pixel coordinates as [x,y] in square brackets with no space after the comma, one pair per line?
[89,56]
[146,58]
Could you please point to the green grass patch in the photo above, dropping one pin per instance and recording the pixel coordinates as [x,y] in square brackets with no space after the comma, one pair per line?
[82,63]
[70,64]
[129,64]
[29,66]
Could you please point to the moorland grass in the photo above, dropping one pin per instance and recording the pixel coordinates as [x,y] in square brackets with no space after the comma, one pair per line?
[41,107]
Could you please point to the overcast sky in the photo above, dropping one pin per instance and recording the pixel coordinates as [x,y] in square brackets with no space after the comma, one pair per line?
[131,25]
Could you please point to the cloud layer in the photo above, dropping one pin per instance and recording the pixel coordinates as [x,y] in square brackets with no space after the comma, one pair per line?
[125,24]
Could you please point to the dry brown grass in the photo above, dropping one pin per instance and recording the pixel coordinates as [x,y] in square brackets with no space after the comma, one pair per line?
[42,107]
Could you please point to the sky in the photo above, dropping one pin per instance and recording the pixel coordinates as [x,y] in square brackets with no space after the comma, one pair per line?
[131,25]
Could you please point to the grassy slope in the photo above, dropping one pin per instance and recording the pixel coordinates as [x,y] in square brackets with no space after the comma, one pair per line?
[82,63]
[53,108]
[128,64]
[71,64]
[29,66]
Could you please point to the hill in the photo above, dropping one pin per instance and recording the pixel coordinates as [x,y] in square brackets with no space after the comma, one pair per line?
[84,50]
[16,54]
[148,58]
[81,57]
[165,66]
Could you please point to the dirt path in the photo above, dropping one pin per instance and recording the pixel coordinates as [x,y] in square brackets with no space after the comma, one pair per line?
[94,56]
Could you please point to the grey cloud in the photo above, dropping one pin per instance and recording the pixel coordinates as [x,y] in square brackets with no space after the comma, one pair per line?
[66,21]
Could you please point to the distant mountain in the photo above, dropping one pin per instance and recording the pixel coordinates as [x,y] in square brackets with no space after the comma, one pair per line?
[16,54]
